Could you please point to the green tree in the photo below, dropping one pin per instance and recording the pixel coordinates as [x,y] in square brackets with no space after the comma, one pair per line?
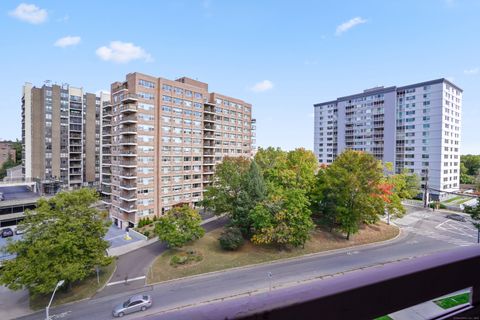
[474,212]
[238,186]
[350,190]
[283,219]
[465,178]
[64,240]
[228,182]
[253,191]
[10,163]
[179,226]
[17,145]
[472,163]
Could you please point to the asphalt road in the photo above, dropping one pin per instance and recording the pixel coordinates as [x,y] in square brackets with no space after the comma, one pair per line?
[424,232]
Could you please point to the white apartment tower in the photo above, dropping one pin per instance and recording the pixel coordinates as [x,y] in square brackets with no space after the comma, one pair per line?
[416,127]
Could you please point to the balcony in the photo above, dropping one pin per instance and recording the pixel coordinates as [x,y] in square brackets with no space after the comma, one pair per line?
[128,174]
[128,185]
[130,98]
[127,152]
[75,149]
[106,123]
[128,129]
[208,144]
[128,119]
[127,141]
[209,108]
[208,135]
[106,180]
[208,118]
[208,127]
[128,196]
[127,163]
[106,189]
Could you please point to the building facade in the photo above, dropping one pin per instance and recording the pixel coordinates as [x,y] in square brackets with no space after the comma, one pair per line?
[7,151]
[161,141]
[415,127]
[61,132]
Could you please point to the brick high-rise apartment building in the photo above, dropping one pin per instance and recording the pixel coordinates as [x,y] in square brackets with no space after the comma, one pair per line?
[61,134]
[416,127]
[161,141]
[7,151]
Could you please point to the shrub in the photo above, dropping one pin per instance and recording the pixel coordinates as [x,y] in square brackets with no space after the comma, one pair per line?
[185,258]
[231,239]
[146,233]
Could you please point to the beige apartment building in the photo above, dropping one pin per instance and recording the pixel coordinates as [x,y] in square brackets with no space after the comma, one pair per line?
[7,151]
[61,134]
[161,140]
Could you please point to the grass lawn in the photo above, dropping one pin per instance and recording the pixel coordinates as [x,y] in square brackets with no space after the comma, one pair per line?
[452,199]
[82,290]
[383,318]
[214,258]
[453,301]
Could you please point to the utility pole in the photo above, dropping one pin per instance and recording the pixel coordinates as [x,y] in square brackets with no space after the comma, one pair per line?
[425,191]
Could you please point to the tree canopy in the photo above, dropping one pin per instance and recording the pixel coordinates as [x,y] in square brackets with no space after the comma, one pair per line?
[63,240]
[179,226]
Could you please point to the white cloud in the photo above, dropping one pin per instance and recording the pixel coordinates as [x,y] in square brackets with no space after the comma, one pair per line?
[123,52]
[67,41]
[29,13]
[471,71]
[262,86]
[344,27]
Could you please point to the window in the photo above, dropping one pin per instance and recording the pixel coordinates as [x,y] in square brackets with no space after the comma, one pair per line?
[146,84]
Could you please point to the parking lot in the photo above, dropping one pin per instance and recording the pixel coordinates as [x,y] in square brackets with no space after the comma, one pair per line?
[17,192]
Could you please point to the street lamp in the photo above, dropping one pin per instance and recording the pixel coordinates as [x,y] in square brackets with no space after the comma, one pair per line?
[59,284]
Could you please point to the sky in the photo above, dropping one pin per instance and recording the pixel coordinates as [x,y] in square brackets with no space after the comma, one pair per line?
[280,56]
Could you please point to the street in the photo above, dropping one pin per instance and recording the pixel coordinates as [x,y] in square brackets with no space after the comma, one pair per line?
[423,232]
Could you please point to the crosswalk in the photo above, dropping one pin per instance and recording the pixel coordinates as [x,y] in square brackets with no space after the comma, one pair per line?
[439,236]
[427,224]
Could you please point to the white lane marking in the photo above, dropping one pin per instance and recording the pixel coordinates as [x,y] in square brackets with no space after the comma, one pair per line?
[128,280]
[119,236]
[60,315]
[441,224]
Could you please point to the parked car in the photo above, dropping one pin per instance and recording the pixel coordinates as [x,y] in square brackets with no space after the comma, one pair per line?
[456,217]
[20,230]
[134,304]
[7,232]
[1,196]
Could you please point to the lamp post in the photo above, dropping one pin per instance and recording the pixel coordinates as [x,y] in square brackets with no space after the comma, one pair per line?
[59,284]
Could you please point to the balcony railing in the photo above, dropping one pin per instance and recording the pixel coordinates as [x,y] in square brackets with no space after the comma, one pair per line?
[129,97]
[127,108]
[127,163]
[128,119]
[127,140]
[128,130]
[128,186]
[364,294]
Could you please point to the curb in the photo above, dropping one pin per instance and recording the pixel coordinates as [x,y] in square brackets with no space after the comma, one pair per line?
[108,280]
[306,256]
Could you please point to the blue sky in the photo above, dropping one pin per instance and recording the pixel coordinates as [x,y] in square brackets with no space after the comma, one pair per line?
[281,56]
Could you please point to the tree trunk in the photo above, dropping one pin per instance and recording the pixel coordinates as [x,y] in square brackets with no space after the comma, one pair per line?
[348,235]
